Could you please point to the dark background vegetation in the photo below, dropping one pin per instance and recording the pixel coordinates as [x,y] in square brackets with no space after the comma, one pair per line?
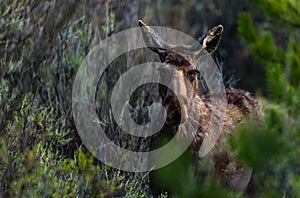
[44,42]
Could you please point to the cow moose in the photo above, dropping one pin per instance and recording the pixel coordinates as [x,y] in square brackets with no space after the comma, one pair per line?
[240,107]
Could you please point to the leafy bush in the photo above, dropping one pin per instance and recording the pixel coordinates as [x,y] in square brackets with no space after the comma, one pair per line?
[42,45]
[272,150]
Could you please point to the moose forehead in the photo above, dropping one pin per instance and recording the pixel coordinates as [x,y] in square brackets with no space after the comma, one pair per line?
[179,59]
[183,63]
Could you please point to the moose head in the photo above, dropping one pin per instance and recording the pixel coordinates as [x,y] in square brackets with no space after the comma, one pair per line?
[186,75]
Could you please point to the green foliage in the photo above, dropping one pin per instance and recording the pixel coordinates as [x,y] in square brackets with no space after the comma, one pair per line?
[42,45]
[272,150]
[257,148]
[285,10]
[40,170]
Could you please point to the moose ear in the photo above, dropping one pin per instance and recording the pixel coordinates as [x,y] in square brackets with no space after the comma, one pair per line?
[210,41]
[153,40]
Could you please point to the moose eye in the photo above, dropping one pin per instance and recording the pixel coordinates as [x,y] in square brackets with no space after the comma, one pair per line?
[197,72]
[194,73]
